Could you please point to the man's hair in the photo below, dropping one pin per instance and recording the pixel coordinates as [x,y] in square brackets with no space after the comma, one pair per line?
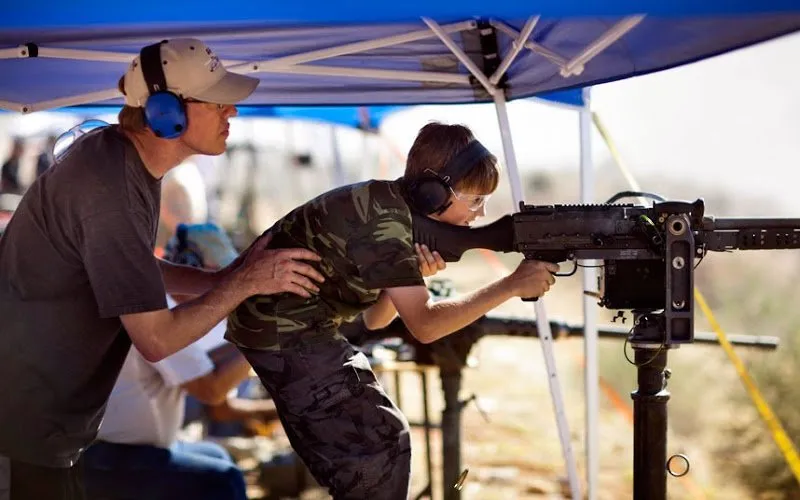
[130,119]
[436,144]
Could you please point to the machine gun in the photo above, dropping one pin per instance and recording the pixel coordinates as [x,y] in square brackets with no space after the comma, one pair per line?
[648,259]
[648,253]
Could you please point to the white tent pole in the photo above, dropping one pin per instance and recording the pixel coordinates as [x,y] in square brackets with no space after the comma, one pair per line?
[382,74]
[22,52]
[531,45]
[542,324]
[575,65]
[338,169]
[349,48]
[86,55]
[13,53]
[12,106]
[592,371]
[516,48]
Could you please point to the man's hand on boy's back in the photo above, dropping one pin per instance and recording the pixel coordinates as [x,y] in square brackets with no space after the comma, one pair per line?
[265,271]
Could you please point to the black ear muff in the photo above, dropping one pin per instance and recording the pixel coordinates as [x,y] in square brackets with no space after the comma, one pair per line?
[164,111]
[458,166]
[430,194]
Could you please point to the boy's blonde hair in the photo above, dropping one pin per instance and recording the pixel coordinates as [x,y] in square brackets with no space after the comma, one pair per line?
[436,144]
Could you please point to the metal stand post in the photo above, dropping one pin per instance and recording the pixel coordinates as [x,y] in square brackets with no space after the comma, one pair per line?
[650,423]
[451,433]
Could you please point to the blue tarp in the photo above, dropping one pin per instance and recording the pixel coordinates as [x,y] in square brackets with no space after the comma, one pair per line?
[672,33]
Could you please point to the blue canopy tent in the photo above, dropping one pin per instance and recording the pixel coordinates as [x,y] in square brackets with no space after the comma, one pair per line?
[55,54]
[317,53]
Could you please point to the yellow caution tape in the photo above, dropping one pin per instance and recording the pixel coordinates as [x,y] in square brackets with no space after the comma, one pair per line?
[778,433]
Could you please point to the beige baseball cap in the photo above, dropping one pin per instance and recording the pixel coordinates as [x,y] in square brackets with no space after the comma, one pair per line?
[192,70]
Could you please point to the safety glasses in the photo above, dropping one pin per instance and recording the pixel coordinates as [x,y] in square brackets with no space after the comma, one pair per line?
[219,107]
[475,202]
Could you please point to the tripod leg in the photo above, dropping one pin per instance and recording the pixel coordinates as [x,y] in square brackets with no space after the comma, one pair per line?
[650,424]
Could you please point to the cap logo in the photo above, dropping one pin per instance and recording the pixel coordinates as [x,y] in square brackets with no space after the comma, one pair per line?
[213,62]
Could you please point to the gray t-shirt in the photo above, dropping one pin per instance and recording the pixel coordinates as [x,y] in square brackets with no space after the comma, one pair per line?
[77,255]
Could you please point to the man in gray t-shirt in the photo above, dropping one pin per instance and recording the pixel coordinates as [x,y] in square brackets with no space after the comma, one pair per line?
[78,278]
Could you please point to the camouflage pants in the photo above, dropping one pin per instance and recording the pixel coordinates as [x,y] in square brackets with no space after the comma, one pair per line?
[350,435]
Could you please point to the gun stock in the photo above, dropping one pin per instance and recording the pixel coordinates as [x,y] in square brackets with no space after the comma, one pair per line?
[452,241]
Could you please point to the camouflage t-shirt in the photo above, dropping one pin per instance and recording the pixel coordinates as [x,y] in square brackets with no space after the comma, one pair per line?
[363,234]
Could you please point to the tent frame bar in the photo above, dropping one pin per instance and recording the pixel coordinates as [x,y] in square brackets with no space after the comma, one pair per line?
[99,96]
[516,48]
[575,65]
[530,44]
[347,49]
[12,106]
[14,53]
[378,74]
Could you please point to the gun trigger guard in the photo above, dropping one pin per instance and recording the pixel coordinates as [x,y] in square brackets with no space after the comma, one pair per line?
[564,275]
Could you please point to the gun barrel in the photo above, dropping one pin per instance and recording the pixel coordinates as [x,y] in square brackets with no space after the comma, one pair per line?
[734,223]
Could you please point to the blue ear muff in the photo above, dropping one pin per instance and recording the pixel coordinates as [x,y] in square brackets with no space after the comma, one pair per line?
[164,111]
[165,114]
